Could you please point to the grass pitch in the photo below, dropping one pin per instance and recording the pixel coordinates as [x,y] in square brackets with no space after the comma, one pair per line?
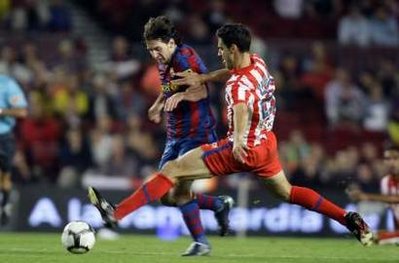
[33,247]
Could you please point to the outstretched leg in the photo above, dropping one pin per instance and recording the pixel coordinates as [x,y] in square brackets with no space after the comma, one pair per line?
[312,200]
[189,166]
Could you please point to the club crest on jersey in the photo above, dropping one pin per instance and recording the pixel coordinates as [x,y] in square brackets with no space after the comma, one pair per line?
[169,87]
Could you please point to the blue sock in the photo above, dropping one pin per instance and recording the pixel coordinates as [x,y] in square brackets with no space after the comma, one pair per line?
[192,219]
[210,202]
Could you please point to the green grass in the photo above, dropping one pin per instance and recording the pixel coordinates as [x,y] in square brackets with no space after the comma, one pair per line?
[32,248]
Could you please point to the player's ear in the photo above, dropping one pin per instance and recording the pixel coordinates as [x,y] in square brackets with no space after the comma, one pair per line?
[233,48]
[171,43]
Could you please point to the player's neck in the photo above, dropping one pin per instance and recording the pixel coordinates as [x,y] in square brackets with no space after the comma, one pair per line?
[243,60]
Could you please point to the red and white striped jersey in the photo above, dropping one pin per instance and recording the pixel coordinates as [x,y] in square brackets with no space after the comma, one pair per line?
[255,86]
[390,186]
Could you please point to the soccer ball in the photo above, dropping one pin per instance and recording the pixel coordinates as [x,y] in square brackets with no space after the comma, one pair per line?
[78,237]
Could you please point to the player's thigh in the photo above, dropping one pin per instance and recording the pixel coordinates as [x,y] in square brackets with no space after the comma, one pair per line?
[278,185]
[188,166]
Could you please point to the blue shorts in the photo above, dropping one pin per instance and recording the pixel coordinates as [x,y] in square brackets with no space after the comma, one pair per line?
[7,151]
[176,147]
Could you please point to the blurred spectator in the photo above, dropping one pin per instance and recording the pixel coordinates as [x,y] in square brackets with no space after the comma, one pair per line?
[121,63]
[40,135]
[309,172]
[377,109]
[366,178]
[368,153]
[75,158]
[68,58]
[120,162]
[291,9]
[384,28]
[71,102]
[102,100]
[344,101]
[142,146]
[287,79]
[354,29]
[318,71]
[341,169]
[130,100]
[296,149]
[101,141]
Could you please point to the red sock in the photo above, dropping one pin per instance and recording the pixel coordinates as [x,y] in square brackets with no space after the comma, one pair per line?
[150,191]
[313,201]
[387,235]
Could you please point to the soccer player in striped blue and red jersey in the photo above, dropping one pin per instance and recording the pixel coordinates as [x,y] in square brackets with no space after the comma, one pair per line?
[189,125]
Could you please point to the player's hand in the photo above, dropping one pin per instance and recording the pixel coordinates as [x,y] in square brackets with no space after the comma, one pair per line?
[154,114]
[187,78]
[240,152]
[172,102]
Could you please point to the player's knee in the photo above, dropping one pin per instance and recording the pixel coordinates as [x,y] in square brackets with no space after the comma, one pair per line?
[283,193]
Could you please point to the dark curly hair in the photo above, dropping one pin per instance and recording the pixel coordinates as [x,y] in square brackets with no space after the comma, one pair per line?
[162,28]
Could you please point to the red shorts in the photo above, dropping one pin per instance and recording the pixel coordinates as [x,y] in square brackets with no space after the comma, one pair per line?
[262,160]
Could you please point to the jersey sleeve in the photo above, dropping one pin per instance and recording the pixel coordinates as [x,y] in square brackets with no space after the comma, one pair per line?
[240,93]
[16,97]
[188,59]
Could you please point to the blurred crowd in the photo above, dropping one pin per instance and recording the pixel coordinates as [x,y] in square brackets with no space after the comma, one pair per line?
[334,112]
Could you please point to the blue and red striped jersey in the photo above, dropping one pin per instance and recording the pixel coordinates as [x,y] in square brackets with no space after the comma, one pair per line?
[189,119]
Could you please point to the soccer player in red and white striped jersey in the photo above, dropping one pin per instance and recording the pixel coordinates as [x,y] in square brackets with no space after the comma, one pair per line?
[255,87]
[250,145]
[389,194]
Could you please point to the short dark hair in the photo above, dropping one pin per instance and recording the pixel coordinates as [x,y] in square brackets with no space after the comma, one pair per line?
[162,28]
[237,34]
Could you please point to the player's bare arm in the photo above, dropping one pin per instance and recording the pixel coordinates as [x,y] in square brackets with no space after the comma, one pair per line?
[14,112]
[358,195]
[155,111]
[193,93]
[195,79]
[240,126]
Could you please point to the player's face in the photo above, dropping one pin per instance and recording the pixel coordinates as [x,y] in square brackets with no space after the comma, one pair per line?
[391,159]
[162,52]
[225,54]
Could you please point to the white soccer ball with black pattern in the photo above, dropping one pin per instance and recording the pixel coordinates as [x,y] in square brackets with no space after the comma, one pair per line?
[78,237]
